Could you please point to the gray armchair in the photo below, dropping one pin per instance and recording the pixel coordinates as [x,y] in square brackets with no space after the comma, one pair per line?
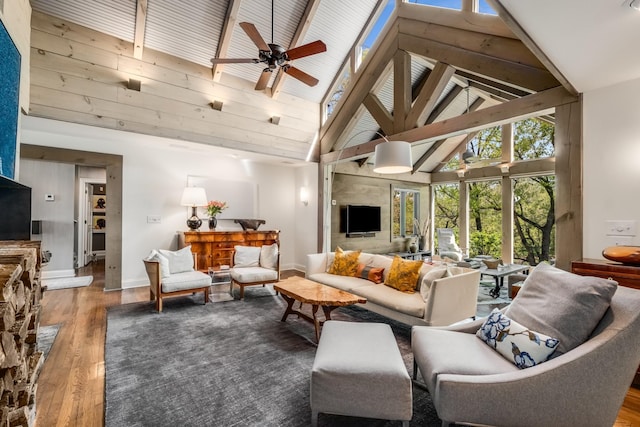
[470,383]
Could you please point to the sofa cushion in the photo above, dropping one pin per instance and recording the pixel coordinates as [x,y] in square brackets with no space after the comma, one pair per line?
[463,354]
[246,256]
[562,304]
[433,273]
[403,274]
[253,274]
[185,280]
[372,274]
[407,303]
[154,255]
[381,261]
[344,263]
[522,346]
[345,283]
[269,256]
[180,260]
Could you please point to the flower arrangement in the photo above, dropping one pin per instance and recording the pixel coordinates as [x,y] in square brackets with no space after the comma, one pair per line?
[214,207]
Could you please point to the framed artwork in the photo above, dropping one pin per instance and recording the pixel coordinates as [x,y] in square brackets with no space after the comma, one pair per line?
[99,202]
[99,222]
[9,102]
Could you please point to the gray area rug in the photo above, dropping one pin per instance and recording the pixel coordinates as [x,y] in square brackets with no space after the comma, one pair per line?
[46,336]
[224,364]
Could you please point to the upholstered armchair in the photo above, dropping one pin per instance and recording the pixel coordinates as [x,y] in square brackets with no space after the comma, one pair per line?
[254,265]
[173,273]
[593,346]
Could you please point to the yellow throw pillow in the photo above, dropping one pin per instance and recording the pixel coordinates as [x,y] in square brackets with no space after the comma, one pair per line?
[344,264]
[403,274]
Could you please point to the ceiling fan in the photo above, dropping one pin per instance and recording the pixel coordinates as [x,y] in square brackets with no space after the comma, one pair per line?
[274,56]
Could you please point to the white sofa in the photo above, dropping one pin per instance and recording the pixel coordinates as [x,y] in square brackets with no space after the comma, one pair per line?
[448,300]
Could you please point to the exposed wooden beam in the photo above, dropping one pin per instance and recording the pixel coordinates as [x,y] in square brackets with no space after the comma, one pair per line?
[401,89]
[514,73]
[568,204]
[357,91]
[442,105]
[492,83]
[518,109]
[141,24]
[522,168]
[418,164]
[225,36]
[470,5]
[470,21]
[531,44]
[429,94]
[379,113]
[352,168]
[298,36]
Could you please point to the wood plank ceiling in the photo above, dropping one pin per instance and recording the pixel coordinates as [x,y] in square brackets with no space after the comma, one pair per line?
[434,78]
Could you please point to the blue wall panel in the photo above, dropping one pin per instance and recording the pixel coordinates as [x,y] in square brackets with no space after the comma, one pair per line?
[9,102]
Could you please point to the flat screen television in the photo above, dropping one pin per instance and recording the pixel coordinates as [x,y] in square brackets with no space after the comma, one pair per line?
[15,215]
[360,219]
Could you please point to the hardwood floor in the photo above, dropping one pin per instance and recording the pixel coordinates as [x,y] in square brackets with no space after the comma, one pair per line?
[71,384]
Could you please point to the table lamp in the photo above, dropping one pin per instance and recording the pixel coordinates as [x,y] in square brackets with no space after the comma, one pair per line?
[194,197]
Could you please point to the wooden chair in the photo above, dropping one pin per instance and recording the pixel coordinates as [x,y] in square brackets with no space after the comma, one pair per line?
[185,283]
[254,275]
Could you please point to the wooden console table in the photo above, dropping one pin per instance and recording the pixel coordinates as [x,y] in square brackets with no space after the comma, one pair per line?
[215,248]
[625,275]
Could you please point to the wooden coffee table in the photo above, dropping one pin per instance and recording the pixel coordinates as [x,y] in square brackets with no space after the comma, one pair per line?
[318,295]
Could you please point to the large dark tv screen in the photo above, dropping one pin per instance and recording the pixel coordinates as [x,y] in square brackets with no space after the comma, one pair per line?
[360,219]
[15,215]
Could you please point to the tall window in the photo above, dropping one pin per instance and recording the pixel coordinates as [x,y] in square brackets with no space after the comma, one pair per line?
[534,219]
[406,210]
[485,218]
[446,198]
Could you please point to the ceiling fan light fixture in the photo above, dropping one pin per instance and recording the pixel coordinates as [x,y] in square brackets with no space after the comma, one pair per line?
[393,157]
[469,156]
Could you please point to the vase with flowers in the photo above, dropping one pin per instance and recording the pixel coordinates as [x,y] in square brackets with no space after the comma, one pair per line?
[422,232]
[214,207]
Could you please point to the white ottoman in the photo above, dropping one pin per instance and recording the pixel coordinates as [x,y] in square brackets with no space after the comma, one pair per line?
[358,371]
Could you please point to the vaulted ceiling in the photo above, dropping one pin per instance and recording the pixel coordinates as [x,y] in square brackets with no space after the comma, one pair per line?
[432,65]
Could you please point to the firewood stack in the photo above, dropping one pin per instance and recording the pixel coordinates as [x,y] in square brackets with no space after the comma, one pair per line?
[20,361]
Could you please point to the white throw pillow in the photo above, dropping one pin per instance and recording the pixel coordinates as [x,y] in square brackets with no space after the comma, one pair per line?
[164,262]
[428,278]
[269,256]
[520,345]
[247,256]
[179,261]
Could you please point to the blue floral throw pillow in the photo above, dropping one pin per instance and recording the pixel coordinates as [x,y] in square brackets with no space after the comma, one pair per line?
[525,348]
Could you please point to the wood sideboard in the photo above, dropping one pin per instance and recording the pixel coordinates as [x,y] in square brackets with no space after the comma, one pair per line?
[215,248]
[625,275]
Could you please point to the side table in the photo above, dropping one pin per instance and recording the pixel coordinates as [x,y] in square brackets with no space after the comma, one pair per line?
[220,282]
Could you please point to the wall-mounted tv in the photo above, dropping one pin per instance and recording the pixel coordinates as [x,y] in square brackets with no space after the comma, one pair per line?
[15,216]
[360,220]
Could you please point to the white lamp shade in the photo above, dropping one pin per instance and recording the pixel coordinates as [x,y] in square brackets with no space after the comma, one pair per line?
[393,157]
[194,196]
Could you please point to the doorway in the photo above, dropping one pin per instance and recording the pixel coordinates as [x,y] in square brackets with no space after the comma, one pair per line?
[91,223]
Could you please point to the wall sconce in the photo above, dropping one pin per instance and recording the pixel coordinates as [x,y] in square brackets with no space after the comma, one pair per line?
[275,120]
[635,4]
[216,105]
[461,172]
[504,168]
[134,84]
[304,195]
[194,197]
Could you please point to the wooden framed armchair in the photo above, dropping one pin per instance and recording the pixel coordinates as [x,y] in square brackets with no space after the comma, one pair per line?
[254,265]
[185,279]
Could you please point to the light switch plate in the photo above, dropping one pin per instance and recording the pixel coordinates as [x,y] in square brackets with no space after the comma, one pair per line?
[153,219]
[49,197]
[621,227]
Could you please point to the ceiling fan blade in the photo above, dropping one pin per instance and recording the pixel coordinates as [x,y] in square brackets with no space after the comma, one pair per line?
[234,61]
[255,36]
[306,50]
[300,75]
[263,80]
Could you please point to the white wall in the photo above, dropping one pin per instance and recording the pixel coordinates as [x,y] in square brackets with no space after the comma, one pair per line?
[155,172]
[306,215]
[611,163]
[57,216]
